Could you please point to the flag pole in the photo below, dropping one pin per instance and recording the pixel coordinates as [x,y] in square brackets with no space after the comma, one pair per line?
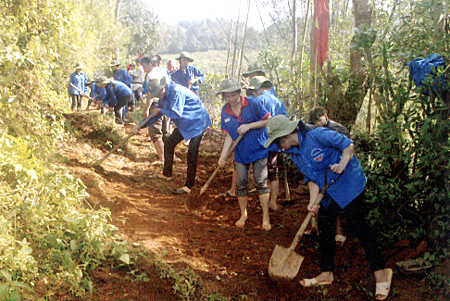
[316,67]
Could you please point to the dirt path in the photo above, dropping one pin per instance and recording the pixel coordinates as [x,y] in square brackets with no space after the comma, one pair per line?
[231,262]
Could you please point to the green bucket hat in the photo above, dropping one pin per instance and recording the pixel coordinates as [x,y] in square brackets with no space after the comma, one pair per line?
[279,126]
[186,55]
[114,63]
[102,80]
[78,65]
[257,82]
[156,84]
[255,67]
[229,85]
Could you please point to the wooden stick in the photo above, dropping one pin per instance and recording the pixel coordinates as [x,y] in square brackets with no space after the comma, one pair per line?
[84,94]
[123,142]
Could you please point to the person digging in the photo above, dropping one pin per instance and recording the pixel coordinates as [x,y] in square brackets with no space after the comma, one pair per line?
[313,152]
[190,117]
[248,117]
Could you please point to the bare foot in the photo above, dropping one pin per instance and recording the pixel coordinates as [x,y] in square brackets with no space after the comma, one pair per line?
[267,226]
[273,206]
[241,222]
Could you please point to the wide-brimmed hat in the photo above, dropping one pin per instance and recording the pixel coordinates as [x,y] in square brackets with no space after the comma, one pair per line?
[229,85]
[114,63]
[186,55]
[103,80]
[279,126]
[255,67]
[78,65]
[89,81]
[258,81]
[156,84]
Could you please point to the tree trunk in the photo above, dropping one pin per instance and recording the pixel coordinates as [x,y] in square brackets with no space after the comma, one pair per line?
[344,106]
[243,40]
[295,33]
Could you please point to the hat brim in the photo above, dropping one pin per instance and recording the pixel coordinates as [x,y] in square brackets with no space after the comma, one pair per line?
[188,58]
[289,129]
[112,65]
[105,82]
[233,89]
[155,92]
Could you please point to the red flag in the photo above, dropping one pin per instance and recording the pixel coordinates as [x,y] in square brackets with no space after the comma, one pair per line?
[140,55]
[321,24]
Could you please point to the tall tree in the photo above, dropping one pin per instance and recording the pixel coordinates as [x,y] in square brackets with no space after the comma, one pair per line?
[345,105]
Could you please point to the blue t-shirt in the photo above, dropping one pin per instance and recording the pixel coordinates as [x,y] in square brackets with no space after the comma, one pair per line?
[251,147]
[275,107]
[185,109]
[99,93]
[123,76]
[78,80]
[183,78]
[114,91]
[319,149]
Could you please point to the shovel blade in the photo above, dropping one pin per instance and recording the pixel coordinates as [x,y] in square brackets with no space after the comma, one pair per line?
[284,263]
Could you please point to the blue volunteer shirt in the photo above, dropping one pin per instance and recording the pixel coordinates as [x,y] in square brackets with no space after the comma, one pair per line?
[78,80]
[185,109]
[251,148]
[319,149]
[123,76]
[114,91]
[183,78]
[275,107]
[99,93]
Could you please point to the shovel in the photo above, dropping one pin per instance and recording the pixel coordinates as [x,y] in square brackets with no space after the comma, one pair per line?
[284,262]
[195,199]
[85,95]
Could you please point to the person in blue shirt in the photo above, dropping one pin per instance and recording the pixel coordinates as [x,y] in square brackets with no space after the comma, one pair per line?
[160,129]
[189,115]
[123,76]
[187,76]
[256,69]
[96,93]
[117,96]
[313,152]
[318,117]
[261,90]
[248,117]
[78,79]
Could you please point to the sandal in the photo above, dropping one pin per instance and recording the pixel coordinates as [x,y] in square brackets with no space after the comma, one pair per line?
[313,282]
[182,190]
[383,288]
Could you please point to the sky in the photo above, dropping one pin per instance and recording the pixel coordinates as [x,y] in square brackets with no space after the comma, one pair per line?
[174,11]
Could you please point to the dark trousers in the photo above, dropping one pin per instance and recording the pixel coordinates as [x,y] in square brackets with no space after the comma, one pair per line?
[169,149]
[354,214]
[121,102]
[76,101]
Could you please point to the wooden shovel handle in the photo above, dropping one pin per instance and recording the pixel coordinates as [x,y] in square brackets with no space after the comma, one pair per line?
[233,146]
[305,223]
[82,93]
[123,142]
[286,184]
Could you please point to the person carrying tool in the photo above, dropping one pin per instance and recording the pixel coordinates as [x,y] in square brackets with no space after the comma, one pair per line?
[241,115]
[96,93]
[188,114]
[314,152]
[118,95]
[160,129]
[187,76]
[78,79]
[123,76]
[318,117]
